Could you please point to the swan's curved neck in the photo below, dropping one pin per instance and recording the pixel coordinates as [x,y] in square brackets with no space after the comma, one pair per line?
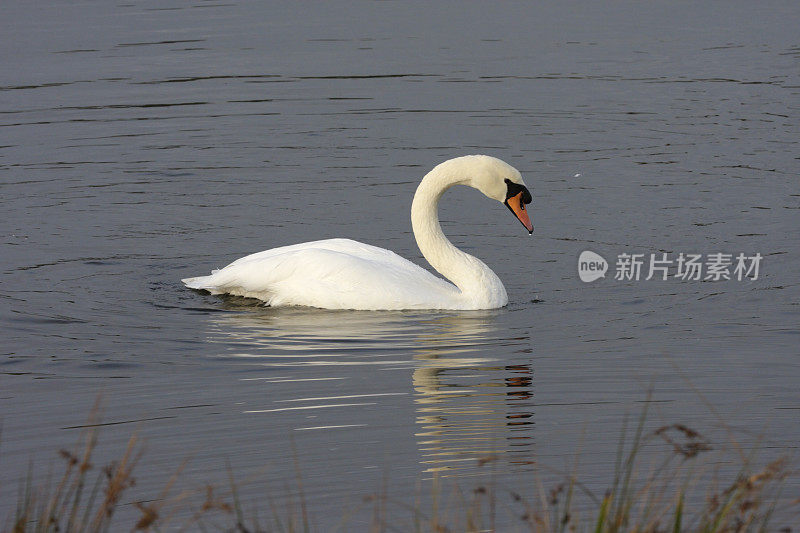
[479,285]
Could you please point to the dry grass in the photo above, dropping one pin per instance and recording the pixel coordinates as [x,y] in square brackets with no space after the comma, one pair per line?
[75,503]
[678,494]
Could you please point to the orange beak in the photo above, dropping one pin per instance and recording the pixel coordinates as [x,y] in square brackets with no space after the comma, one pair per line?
[514,203]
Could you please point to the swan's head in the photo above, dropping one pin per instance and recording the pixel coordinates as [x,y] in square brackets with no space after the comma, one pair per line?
[500,181]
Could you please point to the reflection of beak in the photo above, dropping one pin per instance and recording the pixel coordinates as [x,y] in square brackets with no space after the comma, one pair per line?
[514,203]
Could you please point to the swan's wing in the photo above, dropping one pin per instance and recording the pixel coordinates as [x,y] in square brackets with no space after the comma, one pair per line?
[334,274]
[345,246]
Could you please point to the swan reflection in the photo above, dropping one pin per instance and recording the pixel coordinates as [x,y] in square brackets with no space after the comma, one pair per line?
[472,382]
[471,410]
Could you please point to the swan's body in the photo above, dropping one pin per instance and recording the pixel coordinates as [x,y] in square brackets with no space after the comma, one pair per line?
[334,274]
[345,274]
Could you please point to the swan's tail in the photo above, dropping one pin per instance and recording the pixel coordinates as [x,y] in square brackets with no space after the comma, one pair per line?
[214,286]
[200,282]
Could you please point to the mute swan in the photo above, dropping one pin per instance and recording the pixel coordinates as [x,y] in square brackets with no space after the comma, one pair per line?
[345,274]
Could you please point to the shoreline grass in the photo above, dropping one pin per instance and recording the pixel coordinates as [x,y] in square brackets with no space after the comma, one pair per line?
[677,494]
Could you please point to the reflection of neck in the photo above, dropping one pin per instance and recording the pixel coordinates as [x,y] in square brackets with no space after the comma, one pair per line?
[478,284]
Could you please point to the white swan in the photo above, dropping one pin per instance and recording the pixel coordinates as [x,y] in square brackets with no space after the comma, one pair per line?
[345,274]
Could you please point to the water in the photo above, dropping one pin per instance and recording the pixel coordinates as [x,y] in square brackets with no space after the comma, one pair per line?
[141,143]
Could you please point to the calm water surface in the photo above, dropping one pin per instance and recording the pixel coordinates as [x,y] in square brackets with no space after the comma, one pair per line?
[144,142]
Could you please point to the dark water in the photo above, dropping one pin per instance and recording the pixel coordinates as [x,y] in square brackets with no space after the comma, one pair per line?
[141,143]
